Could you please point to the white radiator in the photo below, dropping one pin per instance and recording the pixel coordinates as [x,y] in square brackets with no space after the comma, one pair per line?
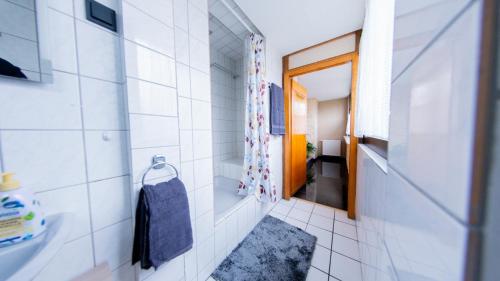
[330,147]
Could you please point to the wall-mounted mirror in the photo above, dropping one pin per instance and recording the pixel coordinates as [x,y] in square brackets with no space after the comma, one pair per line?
[19,43]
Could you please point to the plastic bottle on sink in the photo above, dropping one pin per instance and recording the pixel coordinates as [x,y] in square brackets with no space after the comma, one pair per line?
[21,217]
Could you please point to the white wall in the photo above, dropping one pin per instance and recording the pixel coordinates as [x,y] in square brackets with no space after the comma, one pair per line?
[413,223]
[370,216]
[19,38]
[331,49]
[227,114]
[332,120]
[67,140]
[168,79]
[190,138]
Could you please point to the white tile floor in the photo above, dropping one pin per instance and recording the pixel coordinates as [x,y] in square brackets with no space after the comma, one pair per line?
[336,256]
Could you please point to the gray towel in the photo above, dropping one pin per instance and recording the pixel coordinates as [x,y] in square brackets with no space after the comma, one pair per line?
[277,110]
[170,233]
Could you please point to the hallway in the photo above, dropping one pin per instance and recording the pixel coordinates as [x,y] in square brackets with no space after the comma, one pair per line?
[326,183]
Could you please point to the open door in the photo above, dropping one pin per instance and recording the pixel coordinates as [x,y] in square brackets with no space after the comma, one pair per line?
[294,140]
[299,132]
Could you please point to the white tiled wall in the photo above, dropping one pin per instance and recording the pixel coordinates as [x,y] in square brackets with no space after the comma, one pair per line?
[227,110]
[167,83]
[227,19]
[432,115]
[170,112]
[410,38]
[18,43]
[67,140]
[413,218]
[83,142]
[222,37]
[403,235]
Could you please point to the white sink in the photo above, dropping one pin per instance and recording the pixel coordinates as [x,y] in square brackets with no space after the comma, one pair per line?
[25,260]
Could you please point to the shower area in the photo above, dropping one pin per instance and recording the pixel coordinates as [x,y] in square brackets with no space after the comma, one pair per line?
[228,30]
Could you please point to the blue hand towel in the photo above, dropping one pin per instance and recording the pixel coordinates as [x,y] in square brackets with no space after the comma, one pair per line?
[277,110]
[169,231]
[141,233]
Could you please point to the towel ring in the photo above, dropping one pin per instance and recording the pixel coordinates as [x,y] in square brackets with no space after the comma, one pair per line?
[158,162]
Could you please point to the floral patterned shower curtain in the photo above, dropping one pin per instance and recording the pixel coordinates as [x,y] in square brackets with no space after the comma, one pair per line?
[256,177]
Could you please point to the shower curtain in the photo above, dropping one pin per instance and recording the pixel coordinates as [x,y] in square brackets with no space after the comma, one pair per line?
[256,177]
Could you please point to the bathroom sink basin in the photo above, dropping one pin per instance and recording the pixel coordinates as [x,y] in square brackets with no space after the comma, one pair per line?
[25,260]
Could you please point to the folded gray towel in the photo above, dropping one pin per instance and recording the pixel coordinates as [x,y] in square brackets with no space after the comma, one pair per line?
[170,233]
[277,110]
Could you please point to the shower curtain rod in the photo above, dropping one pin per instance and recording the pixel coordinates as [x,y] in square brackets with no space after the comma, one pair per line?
[238,17]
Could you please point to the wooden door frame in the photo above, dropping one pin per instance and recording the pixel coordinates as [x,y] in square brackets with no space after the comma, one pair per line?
[288,75]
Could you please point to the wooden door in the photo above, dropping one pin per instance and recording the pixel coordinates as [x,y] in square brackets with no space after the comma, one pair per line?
[299,131]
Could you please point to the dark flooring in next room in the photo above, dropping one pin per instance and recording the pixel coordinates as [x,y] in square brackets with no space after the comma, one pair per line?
[326,182]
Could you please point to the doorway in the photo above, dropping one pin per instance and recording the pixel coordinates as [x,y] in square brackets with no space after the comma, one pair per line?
[337,52]
[328,92]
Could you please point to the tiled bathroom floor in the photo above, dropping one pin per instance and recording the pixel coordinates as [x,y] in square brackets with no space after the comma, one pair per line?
[336,256]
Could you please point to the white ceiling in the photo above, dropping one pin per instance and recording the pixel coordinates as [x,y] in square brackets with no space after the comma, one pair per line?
[292,25]
[328,84]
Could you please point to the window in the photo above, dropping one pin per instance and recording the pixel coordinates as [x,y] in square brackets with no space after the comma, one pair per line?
[374,70]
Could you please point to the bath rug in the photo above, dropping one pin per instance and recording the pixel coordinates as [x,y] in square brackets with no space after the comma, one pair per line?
[273,251]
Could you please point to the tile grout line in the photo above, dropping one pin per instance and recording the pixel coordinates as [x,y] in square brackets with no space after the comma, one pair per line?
[148,81]
[433,40]
[332,235]
[92,238]
[81,183]
[319,270]
[153,114]
[427,196]
[60,71]
[151,16]
[345,256]
[130,151]
[331,251]
[186,2]
[21,6]
[161,53]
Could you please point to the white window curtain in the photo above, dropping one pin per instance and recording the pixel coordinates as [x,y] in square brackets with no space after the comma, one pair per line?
[374,70]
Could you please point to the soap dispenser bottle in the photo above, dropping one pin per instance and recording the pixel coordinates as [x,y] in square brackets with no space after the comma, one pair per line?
[21,217]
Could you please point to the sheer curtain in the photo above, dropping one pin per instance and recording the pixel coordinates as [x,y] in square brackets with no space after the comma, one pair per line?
[374,70]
